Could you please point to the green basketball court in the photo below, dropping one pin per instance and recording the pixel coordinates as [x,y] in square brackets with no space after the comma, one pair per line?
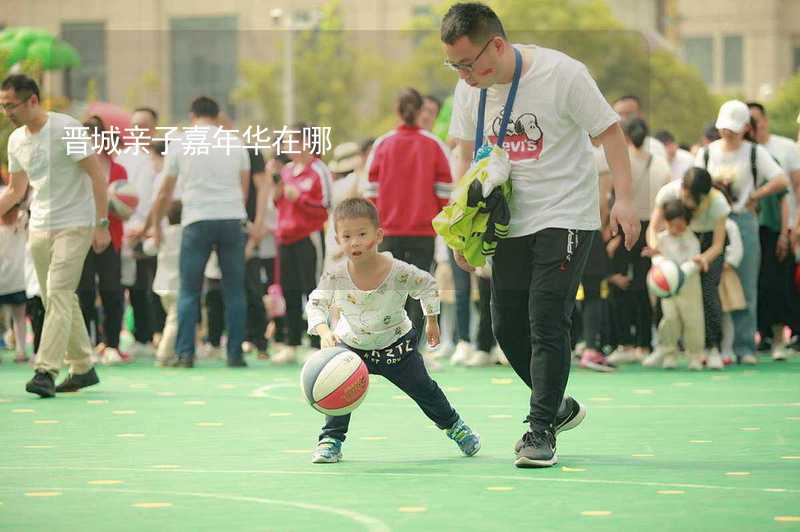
[220,449]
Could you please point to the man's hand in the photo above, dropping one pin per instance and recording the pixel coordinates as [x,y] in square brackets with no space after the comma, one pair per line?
[432,331]
[462,262]
[701,262]
[101,239]
[623,215]
[620,281]
[328,339]
[782,247]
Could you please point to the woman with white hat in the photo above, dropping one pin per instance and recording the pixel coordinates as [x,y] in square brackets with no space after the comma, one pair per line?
[748,174]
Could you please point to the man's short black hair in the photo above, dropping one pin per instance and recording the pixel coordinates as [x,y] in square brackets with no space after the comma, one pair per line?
[757,105]
[205,107]
[664,136]
[474,20]
[629,97]
[150,110]
[23,86]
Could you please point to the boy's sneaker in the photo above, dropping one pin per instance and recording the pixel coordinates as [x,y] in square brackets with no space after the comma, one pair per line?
[500,356]
[329,451]
[468,441]
[623,356]
[42,385]
[696,362]
[779,354]
[479,359]
[538,449]
[749,360]
[73,383]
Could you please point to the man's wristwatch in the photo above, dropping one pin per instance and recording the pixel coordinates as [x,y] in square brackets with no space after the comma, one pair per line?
[102,223]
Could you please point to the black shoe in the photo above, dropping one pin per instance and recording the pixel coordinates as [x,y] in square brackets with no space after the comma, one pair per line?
[567,418]
[42,385]
[73,382]
[538,449]
[237,362]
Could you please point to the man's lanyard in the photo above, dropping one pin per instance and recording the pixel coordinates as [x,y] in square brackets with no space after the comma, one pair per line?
[512,93]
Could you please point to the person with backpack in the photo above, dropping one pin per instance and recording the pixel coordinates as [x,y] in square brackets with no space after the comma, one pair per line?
[748,174]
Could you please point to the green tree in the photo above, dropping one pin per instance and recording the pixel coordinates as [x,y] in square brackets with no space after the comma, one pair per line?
[673,94]
[783,108]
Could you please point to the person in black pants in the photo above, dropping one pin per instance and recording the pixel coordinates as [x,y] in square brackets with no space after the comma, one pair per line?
[106,267]
[554,113]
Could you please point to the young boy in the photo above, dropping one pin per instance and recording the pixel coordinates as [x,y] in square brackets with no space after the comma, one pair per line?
[683,312]
[369,291]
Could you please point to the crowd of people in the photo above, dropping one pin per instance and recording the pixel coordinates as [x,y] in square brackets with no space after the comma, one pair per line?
[236,241]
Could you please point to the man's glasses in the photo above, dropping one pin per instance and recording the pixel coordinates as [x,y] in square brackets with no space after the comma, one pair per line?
[467,67]
[6,107]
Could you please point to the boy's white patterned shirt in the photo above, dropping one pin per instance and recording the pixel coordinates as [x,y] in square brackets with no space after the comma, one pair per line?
[371,319]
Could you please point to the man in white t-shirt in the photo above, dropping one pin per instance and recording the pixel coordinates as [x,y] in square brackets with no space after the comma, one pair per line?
[679,159]
[557,113]
[51,153]
[213,168]
[630,106]
[138,162]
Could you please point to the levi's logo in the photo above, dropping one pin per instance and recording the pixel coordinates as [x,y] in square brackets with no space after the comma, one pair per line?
[524,137]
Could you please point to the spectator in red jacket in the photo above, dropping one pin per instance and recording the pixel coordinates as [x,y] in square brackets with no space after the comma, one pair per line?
[302,197]
[410,182]
[104,266]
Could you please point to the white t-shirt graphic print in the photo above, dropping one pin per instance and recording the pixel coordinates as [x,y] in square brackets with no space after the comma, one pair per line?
[557,108]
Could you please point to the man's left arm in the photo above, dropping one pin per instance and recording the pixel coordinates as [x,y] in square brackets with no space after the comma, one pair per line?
[622,213]
[91,165]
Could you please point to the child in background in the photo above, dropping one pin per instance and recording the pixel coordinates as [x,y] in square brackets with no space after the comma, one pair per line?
[13,238]
[731,293]
[167,282]
[370,290]
[683,312]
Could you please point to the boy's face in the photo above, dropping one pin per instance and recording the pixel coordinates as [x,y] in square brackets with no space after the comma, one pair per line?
[676,227]
[358,237]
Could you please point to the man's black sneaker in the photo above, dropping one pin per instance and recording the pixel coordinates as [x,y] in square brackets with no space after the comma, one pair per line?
[567,418]
[237,363]
[42,385]
[73,382]
[538,449]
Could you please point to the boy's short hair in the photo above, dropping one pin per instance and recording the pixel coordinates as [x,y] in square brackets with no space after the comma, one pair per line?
[174,212]
[356,208]
[674,209]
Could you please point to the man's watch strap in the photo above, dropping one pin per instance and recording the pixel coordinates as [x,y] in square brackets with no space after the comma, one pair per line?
[102,223]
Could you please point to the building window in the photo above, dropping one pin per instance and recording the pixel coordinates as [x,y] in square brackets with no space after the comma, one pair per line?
[204,61]
[796,61]
[699,52]
[733,60]
[89,39]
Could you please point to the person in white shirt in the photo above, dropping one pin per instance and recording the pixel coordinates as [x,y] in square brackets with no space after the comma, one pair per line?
[369,290]
[69,213]
[557,114]
[142,169]
[679,160]
[213,169]
[13,237]
[778,300]
[749,174]
[167,281]
[630,106]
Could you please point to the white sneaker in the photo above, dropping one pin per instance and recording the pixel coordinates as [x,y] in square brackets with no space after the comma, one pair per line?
[248,347]
[209,351]
[112,357]
[431,364]
[141,350]
[443,351]
[714,361]
[500,356]
[461,354]
[287,355]
[749,360]
[654,359]
[696,362]
[779,354]
[622,356]
[670,362]
[479,359]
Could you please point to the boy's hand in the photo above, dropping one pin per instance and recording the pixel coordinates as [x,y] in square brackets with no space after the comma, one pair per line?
[432,331]
[326,336]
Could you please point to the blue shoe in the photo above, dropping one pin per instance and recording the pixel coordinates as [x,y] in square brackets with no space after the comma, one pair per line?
[329,451]
[469,442]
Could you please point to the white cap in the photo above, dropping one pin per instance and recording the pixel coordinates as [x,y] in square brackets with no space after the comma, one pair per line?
[733,115]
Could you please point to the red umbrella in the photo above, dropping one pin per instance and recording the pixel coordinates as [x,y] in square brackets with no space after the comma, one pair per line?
[111,114]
